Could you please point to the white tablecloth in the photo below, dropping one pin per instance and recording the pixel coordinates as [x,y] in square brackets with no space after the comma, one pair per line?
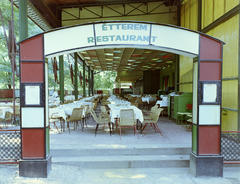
[56,112]
[162,103]
[148,99]
[115,113]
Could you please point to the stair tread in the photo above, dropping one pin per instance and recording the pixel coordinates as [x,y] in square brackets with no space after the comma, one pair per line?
[120,158]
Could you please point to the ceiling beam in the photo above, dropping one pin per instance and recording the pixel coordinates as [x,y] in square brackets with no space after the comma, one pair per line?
[46,12]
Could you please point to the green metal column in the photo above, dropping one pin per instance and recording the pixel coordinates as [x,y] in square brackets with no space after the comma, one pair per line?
[176,73]
[76,76]
[61,78]
[84,80]
[89,87]
[92,82]
[23,20]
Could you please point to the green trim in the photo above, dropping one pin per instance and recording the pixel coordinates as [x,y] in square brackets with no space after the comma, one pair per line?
[222,19]
[76,76]
[61,78]
[194,138]
[47,141]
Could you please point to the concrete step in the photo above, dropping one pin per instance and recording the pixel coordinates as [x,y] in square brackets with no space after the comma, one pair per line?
[118,150]
[120,162]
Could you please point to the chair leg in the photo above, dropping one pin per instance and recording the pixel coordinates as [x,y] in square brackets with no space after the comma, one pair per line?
[144,127]
[96,130]
[158,129]
[110,128]
[135,129]
[120,132]
[113,128]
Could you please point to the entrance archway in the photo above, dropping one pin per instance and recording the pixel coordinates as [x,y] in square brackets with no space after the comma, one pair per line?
[205,158]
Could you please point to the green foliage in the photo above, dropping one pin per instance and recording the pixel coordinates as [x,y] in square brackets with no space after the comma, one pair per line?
[105,80]
[5,66]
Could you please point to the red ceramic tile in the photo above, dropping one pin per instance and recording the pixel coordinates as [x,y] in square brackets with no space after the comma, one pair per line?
[210,71]
[209,140]
[32,143]
[210,49]
[31,72]
[32,49]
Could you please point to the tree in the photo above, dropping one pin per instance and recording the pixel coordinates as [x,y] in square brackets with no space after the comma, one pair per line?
[5,65]
[105,80]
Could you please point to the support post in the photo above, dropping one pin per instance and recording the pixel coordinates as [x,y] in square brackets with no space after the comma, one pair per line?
[23,20]
[92,82]
[84,80]
[61,78]
[205,158]
[76,76]
[89,87]
[35,153]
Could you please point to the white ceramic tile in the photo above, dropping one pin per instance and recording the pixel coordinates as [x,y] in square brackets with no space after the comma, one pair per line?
[209,114]
[32,117]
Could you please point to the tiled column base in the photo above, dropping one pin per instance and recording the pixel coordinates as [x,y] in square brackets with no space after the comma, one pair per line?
[206,165]
[35,168]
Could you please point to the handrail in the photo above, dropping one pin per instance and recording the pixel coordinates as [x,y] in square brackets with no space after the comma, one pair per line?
[231,131]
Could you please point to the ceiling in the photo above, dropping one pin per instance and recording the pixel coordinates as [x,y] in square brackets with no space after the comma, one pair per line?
[128,59]
[48,15]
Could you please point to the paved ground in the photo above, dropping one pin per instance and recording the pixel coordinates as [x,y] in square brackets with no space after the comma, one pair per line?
[62,174]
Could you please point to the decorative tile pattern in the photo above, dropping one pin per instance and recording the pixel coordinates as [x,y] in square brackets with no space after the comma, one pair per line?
[10,146]
[230,143]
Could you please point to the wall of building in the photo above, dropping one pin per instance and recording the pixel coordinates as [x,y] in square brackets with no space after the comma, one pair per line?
[227,31]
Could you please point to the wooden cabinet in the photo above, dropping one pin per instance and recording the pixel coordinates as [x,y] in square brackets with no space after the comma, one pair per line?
[177,103]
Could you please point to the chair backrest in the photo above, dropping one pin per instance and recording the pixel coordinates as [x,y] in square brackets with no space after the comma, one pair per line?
[154,108]
[86,107]
[156,114]
[127,117]
[76,114]
[94,116]
[189,107]
[103,109]
[92,106]
[8,115]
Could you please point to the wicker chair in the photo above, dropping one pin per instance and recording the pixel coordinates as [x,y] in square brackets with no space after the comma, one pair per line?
[86,110]
[141,103]
[7,119]
[127,119]
[101,120]
[152,120]
[75,118]
[151,111]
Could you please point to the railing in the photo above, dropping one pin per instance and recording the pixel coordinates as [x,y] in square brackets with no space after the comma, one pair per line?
[10,146]
[230,143]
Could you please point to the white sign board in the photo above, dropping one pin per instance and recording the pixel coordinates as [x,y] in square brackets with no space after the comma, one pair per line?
[32,95]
